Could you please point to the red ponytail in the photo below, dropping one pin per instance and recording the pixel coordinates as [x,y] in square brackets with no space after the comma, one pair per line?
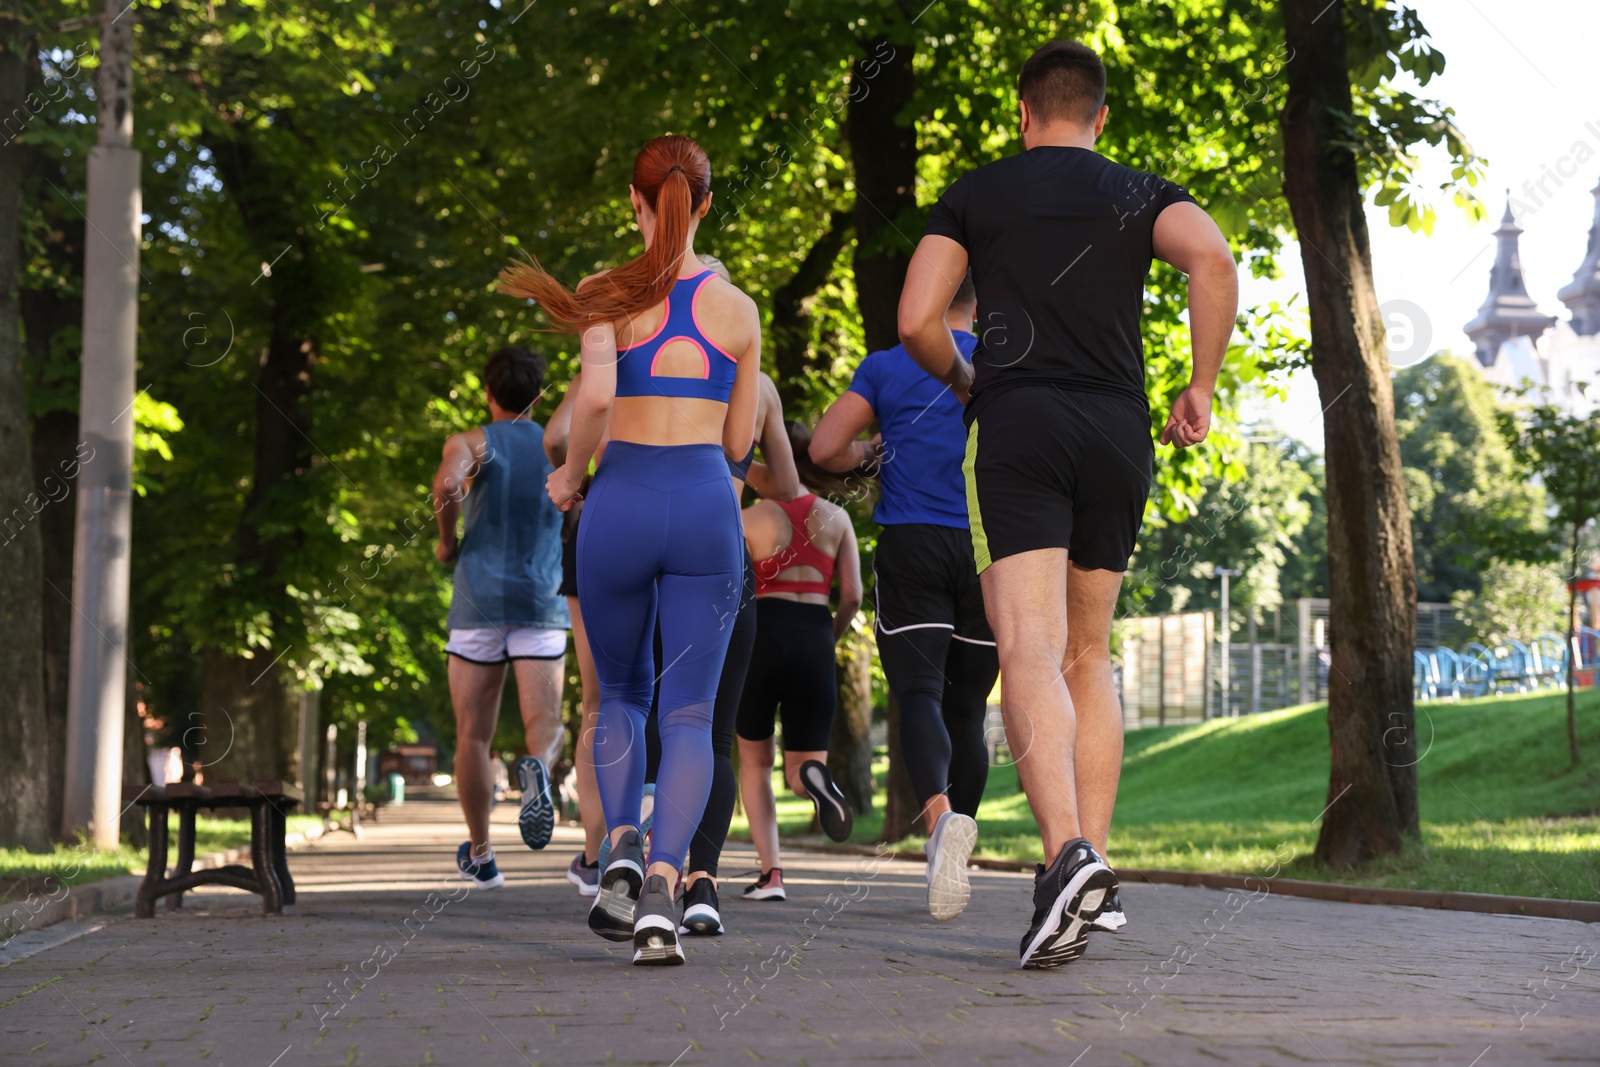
[673,176]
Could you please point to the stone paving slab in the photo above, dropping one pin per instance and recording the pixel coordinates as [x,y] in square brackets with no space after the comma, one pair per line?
[388,960]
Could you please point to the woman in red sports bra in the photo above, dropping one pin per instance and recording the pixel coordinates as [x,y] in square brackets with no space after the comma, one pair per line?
[800,546]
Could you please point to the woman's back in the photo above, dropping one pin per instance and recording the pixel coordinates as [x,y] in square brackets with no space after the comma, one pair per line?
[713,325]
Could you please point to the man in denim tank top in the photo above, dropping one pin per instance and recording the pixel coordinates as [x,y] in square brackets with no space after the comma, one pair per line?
[507,605]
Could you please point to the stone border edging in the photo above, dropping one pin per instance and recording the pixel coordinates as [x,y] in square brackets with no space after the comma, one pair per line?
[98,897]
[1484,903]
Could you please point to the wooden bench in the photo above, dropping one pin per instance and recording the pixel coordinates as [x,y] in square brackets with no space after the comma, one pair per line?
[269,803]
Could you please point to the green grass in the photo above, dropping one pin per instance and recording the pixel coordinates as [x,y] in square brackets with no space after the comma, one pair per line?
[23,872]
[1501,810]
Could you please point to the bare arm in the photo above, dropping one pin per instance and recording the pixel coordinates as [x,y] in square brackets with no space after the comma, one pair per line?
[1185,237]
[775,477]
[847,565]
[462,454]
[590,412]
[936,270]
[558,431]
[739,428]
[836,443]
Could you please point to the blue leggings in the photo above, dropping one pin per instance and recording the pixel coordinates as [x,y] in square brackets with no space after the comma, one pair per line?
[660,533]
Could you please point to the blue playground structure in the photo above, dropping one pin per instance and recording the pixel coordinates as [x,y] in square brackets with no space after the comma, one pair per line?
[1513,667]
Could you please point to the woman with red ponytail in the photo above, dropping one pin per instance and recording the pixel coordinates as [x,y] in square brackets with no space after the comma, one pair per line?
[670,354]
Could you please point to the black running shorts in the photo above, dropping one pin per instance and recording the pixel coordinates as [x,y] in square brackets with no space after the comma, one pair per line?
[924,578]
[1049,468]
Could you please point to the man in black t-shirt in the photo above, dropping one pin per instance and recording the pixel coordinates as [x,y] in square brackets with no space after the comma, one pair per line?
[1058,464]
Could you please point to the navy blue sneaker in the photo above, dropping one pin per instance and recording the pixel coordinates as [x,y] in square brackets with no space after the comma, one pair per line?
[481,873]
[537,819]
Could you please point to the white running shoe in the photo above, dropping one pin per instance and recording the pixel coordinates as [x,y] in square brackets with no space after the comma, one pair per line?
[948,849]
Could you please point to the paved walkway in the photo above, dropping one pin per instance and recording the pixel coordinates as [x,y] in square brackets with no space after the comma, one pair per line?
[382,964]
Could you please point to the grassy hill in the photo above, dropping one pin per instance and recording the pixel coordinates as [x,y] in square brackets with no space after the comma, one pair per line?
[1501,810]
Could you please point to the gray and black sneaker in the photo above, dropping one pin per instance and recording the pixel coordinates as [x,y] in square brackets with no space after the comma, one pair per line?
[611,916]
[833,810]
[537,817]
[655,926]
[1068,896]
[1112,917]
[700,909]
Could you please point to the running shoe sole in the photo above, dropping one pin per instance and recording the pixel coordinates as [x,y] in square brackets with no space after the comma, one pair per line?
[948,886]
[537,819]
[771,892]
[612,914]
[480,883]
[701,920]
[1064,934]
[655,943]
[833,811]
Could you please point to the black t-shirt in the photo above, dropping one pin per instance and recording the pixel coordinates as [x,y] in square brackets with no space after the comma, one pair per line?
[1060,242]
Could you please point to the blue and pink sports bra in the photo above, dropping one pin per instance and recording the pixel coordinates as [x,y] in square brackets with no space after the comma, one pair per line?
[636,365]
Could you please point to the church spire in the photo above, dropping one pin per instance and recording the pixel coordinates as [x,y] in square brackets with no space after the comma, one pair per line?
[1508,311]
[1582,294]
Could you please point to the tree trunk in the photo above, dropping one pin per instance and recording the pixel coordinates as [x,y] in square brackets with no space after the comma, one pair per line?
[23,729]
[1573,646]
[245,697]
[235,736]
[850,748]
[1372,790]
[55,440]
[900,808]
[55,310]
[791,316]
[884,156]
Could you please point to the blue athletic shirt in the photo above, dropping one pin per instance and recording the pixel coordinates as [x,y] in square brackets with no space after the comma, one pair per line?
[924,439]
[508,572]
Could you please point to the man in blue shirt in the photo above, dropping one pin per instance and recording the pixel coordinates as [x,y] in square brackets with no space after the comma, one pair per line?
[938,654]
[507,605]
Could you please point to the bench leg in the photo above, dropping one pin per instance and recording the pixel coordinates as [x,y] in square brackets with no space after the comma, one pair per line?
[280,850]
[186,831]
[261,858]
[144,904]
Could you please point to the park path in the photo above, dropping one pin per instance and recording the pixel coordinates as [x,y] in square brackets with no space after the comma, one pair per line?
[850,970]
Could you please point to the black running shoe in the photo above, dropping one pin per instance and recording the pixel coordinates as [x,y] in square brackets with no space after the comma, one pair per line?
[611,916]
[1068,897]
[833,810]
[655,926]
[700,914]
[768,887]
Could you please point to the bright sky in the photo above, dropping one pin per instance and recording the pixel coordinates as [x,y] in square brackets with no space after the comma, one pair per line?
[1522,78]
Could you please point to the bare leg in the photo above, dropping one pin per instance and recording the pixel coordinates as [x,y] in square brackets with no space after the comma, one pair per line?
[589,810]
[539,684]
[792,761]
[755,790]
[936,806]
[1097,765]
[1025,597]
[475,693]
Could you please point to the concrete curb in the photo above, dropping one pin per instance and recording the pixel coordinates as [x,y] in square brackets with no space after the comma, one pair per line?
[97,898]
[1587,911]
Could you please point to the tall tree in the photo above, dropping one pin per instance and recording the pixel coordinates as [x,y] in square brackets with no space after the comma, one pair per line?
[1561,450]
[1469,502]
[1372,791]
[23,745]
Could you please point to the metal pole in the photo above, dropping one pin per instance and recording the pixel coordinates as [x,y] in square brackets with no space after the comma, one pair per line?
[1304,609]
[1227,637]
[97,679]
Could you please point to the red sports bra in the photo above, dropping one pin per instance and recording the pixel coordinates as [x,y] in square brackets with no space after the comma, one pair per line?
[800,552]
